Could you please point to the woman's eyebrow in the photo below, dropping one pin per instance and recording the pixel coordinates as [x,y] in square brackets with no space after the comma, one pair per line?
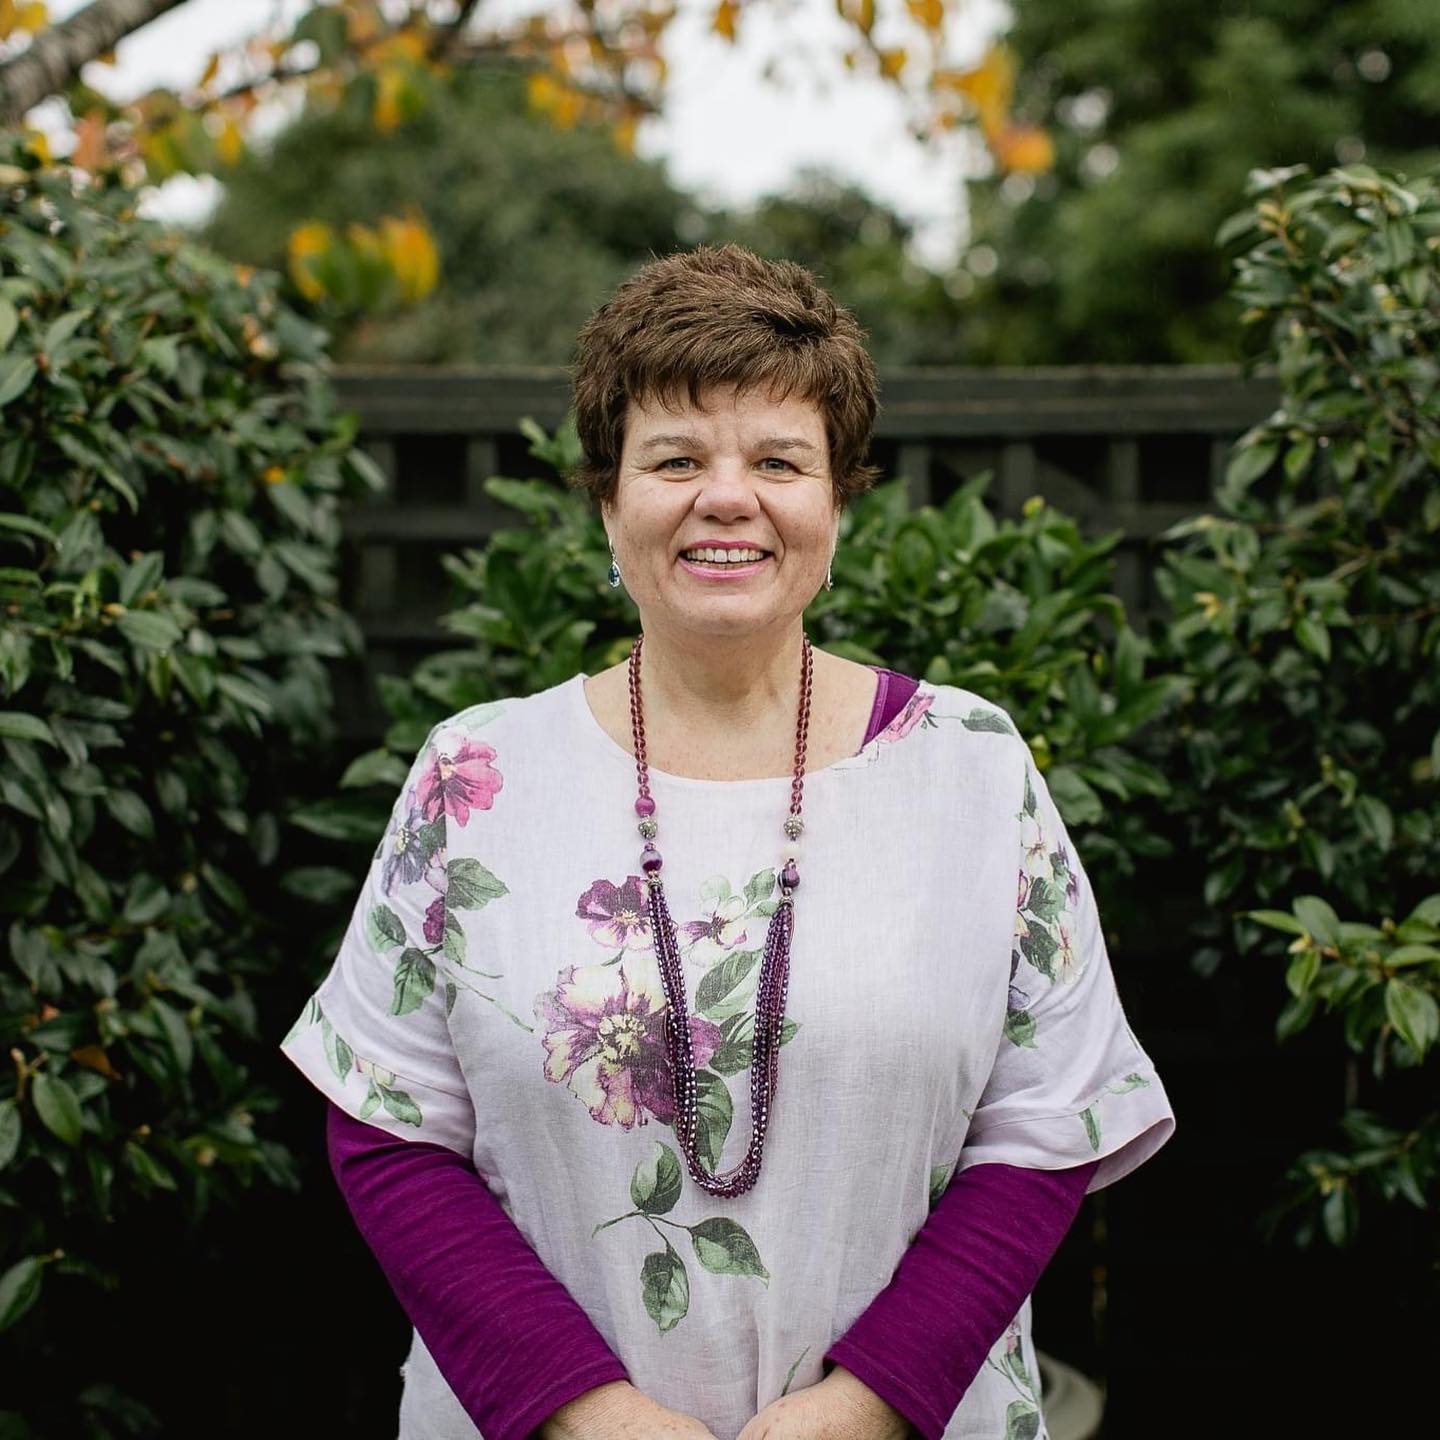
[689,442]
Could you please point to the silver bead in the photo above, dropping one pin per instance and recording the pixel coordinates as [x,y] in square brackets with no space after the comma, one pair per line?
[648,828]
[794,827]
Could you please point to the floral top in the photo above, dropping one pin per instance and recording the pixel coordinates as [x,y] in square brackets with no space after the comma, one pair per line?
[497,992]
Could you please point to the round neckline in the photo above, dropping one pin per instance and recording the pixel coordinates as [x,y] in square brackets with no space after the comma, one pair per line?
[602,740]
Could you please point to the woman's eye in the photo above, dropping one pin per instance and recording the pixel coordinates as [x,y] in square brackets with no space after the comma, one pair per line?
[775,459]
[676,460]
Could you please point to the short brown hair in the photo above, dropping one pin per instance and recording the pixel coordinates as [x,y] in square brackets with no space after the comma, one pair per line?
[722,315]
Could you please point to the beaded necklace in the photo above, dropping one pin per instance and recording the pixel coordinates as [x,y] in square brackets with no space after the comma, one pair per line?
[774,981]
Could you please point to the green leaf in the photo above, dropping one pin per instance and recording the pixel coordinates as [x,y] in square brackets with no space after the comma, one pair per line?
[714,1111]
[399,1104]
[414,981]
[16,725]
[384,928]
[470,886]
[16,373]
[375,767]
[129,811]
[1319,920]
[726,987]
[9,1131]
[1249,462]
[20,1289]
[1277,920]
[655,1186]
[29,526]
[723,1247]
[149,630]
[665,1288]
[58,1108]
[1414,1014]
[1313,636]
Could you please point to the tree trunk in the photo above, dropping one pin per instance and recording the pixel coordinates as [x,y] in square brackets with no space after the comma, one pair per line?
[57,52]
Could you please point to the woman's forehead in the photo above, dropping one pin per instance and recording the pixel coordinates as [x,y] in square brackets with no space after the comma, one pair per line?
[722,410]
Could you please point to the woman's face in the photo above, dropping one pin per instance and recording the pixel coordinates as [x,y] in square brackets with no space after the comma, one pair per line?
[743,468]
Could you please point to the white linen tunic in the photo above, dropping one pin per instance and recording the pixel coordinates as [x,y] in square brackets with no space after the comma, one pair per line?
[950,1002]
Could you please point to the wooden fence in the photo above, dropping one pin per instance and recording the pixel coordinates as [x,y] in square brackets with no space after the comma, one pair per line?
[1131,447]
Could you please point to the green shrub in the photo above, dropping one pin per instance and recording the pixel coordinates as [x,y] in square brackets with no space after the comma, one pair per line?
[170,471]
[1305,617]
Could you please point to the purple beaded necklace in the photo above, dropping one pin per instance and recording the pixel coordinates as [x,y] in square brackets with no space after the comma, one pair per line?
[774,982]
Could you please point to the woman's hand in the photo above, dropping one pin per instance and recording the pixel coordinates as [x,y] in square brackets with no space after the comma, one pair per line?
[618,1411]
[840,1407]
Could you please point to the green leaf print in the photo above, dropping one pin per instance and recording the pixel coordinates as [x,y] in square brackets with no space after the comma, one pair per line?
[1022,1421]
[470,886]
[1045,901]
[1039,947]
[726,987]
[372,1101]
[939,1180]
[988,720]
[714,1111]
[400,1105]
[1020,1028]
[737,1047]
[714,892]
[414,981]
[1015,1359]
[655,1186]
[1029,805]
[308,1016]
[383,928]
[1133,1081]
[723,1247]
[337,1052]
[430,837]
[453,940]
[790,1375]
[665,1287]
[758,886]
[1091,1116]
[450,993]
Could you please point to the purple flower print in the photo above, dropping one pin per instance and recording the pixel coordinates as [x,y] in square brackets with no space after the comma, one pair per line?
[604,1039]
[435,921]
[616,915]
[1060,865]
[1017,998]
[908,718]
[713,936]
[458,782]
[405,857]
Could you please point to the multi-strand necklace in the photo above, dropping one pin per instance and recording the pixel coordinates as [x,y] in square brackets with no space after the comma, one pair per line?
[774,979]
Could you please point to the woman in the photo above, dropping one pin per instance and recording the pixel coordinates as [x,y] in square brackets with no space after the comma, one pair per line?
[877,1039]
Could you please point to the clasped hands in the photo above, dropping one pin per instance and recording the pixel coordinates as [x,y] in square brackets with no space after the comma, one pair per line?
[839,1407]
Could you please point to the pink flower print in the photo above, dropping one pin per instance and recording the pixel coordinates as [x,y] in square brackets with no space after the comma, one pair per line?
[616,915]
[435,921]
[605,1040]
[712,937]
[908,718]
[456,783]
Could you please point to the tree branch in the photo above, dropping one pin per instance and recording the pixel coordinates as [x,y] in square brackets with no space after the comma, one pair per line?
[56,53]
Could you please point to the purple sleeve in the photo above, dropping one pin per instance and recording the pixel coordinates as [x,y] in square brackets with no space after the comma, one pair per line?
[515,1346]
[923,1339]
[509,1339]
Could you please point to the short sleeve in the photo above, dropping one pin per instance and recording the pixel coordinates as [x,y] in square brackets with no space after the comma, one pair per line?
[1070,1082]
[374,1037]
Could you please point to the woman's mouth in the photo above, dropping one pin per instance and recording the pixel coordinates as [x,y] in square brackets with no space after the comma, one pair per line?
[715,564]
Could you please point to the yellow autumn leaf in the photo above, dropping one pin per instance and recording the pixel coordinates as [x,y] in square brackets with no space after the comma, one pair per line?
[38,144]
[929,13]
[410,249]
[230,143]
[90,152]
[723,23]
[892,62]
[307,242]
[390,84]
[623,133]
[1024,149]
[212,69]
[990,86]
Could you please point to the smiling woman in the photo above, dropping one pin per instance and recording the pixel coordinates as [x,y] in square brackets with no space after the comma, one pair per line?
[788,1162]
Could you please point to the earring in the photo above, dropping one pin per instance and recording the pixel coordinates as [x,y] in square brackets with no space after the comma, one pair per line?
[829,578]
[614,571]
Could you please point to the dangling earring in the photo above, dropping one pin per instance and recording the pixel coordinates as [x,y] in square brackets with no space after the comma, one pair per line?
[614,571]
[829,578]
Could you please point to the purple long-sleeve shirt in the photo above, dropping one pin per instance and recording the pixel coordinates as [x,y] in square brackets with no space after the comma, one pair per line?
[514,1345]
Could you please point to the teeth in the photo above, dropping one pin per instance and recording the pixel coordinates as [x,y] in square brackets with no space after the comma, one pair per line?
[723,557]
